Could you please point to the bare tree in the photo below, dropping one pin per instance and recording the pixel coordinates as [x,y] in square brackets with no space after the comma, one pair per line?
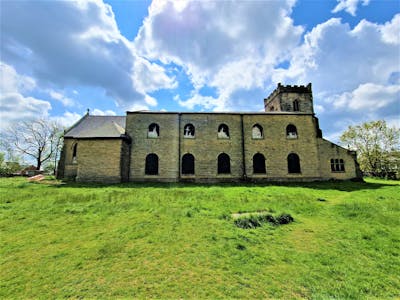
[39,139]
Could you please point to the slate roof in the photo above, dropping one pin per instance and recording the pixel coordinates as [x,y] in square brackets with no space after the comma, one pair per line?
[97,127]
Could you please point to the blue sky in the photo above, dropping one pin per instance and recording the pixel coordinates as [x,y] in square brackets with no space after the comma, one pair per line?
[59,58]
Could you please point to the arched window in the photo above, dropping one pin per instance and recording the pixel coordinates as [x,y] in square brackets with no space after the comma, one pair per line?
[154,131]
[296,105]
[188,164]
[223,131]
[293,163]
[259,164]
[74,152]
[257,132]
[188,131]
[151,164]
[291,131]
[224,164]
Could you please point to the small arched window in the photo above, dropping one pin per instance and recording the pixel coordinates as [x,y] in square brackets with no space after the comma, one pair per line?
[188,131]
[291,131]
[223,131]
[154,131]
[74,153]
[188,164]
[296,105]
[224,164]
[293,161]
[257,132]
[259,164]
[151,164]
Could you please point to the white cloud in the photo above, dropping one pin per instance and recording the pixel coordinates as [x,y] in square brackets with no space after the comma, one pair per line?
[10,81]
[350,6]
[67,119]
[336,58]
[98,112]
[354,71]
[368,97]
[66,101]
[229,46]
[15,107]
[76,43]
[390,31]
[196,99]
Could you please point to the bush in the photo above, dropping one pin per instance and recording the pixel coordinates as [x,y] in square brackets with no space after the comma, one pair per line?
[284,219]
[257,220]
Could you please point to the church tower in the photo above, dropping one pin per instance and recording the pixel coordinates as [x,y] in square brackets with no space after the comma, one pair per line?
[288,98]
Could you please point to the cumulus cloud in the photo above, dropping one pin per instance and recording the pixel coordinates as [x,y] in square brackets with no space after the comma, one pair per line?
[369,97]
[66,101]
[99,112]
[337,58]
[10,81]
[14,106]
[350,6]
[67,119]
[227,45]
[354,71]
[67,43]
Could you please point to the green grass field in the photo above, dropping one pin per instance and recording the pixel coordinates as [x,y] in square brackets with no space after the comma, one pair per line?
[179,241]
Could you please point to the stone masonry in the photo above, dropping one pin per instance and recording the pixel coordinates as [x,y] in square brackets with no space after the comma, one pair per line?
[150,146]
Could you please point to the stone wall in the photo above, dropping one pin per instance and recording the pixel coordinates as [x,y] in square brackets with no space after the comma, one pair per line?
[70,166]
[165,146]
[99,160]
[206,145]
[276,146]
[328,151]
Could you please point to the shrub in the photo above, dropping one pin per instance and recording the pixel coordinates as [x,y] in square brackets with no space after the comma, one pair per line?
[284,219]
[257,220]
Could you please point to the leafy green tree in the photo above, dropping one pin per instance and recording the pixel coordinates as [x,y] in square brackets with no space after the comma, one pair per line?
[9,166]
[377,147]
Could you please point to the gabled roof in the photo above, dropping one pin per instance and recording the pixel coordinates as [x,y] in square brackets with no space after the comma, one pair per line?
[97,127]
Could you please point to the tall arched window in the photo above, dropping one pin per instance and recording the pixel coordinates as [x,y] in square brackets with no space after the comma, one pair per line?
[291,131]
[188,131]
[259,164]
[257,132]
[224,164]
[74,152]
[293,163]
[223,131]
[296,105]
[151,164]
[188,164]
[154,131]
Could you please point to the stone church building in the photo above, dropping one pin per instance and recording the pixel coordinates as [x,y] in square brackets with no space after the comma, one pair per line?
[284,143]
